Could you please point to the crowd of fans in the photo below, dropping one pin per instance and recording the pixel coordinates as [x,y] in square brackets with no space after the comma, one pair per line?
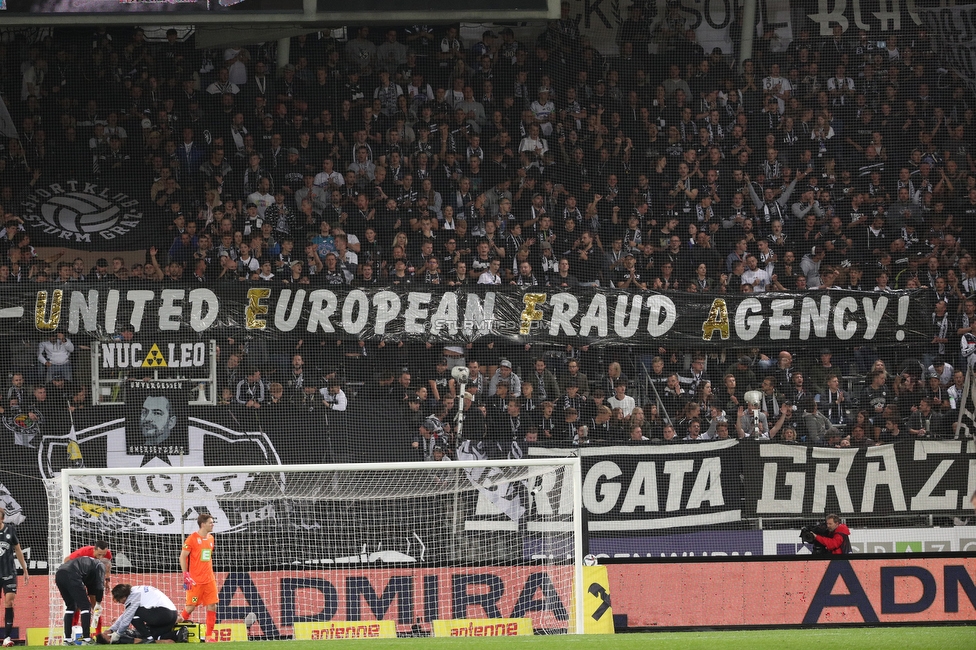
[408,156]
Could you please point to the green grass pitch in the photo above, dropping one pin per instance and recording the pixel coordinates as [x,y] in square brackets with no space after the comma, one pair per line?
[891,638]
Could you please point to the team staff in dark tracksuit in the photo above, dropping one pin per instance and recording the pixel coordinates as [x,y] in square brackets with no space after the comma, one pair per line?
[76,580]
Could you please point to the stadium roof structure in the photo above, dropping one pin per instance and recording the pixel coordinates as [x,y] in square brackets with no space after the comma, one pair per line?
[252,15]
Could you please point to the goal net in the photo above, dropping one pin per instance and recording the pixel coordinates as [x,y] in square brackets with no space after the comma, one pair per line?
[305,548]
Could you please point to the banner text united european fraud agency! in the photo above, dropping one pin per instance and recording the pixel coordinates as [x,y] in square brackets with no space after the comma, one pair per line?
[433,315]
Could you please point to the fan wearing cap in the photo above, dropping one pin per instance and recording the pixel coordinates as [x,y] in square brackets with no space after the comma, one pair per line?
[600,101]
[936,393]
[810,265]
[543,109]
[506,374]
[264,131]
[440,383]
[441,455]
[100,272]
[750,421]
[413,414]
[929,419]
[942,371]
[275,153]
[629,276]
[821,370]
[431,433]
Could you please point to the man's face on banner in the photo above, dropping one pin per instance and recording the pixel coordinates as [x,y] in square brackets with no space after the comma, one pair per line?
[156,420]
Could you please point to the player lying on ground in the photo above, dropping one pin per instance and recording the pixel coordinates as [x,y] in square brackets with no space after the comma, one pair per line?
[150,614]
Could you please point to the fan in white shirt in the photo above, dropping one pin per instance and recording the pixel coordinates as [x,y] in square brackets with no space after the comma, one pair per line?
[262,198]
[328,175]
[840,87]
[491,275]
[534,143]
[333,397]
[754,275]
[779,87]
[543,109]
[621,399]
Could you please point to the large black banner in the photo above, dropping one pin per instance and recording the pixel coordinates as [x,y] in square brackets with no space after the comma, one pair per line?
[954,39]
[432,315]
[630,490]
[879,18]
[637,489]
[921,477]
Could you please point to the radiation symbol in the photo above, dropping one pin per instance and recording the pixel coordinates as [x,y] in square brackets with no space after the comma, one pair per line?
[154,358]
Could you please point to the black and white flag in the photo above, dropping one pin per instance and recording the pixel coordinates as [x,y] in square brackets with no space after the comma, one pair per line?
[7,127]
[967,407]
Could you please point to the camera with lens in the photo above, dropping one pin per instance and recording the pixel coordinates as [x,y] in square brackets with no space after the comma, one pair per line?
[809,535]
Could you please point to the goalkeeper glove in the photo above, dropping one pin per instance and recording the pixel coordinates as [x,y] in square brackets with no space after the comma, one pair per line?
[188,582]
[115,637]
[96,614]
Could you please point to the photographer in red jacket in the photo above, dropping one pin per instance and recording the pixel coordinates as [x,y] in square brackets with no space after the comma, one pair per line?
[839,541]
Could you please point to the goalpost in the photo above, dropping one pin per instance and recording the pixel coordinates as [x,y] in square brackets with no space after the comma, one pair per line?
[309,548]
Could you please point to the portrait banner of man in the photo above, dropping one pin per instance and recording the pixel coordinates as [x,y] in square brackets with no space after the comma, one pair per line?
[155,422]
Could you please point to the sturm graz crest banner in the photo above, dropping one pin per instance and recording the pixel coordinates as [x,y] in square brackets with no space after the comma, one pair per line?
[87,216]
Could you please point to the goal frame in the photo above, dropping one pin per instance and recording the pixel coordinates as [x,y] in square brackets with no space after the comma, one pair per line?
[64,482]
